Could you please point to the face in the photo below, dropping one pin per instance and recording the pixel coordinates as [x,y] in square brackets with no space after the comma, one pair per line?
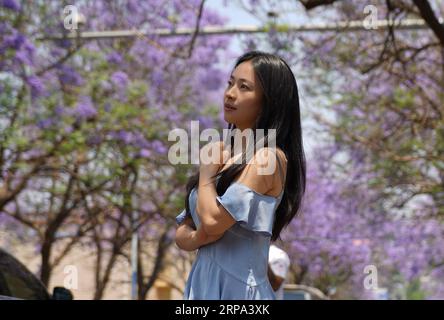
[244,94]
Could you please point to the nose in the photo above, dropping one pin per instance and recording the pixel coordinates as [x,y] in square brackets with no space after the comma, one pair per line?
[229,94]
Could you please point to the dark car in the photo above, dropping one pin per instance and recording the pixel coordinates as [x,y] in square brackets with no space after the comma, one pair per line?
[302,292]
[17,282]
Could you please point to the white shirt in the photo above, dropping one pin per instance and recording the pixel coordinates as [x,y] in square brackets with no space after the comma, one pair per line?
[279,264]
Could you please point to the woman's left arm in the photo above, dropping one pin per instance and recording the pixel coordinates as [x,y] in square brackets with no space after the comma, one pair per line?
[189,239]
[213,221]
[214,218]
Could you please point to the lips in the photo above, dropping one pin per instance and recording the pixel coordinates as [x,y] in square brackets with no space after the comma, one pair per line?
[228,106]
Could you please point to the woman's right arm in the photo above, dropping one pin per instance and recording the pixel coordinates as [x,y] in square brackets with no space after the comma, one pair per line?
[189,239]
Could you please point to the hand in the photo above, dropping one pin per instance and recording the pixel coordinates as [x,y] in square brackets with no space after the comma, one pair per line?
[212,158]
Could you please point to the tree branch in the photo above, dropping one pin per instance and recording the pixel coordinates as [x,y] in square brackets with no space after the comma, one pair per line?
[430,18]
[311,4]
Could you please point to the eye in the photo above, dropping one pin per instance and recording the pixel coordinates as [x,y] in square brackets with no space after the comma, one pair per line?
[244,86]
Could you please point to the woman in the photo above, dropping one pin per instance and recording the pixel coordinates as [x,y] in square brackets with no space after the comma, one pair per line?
[232,210]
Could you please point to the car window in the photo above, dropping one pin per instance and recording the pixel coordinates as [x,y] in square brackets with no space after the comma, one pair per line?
[17,281]
[4,290]
[296,295]
[19,288]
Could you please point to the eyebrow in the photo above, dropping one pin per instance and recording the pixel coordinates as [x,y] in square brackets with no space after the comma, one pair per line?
[242,79]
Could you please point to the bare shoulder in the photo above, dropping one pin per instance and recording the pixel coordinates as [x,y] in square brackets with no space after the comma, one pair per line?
[266,155]
[261,171]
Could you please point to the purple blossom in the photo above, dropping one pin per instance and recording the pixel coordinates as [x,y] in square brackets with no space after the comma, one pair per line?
[68,129]
[33,153]
[85,108]
[14,40]
[114,58]
[10,4]
[174,116]
[145,153]
[69,76]
[212,79]
[119,79]
[157,78]
[125,136]
[205,122]
[17,41]
[56,52]
[158,146]
[45,123]
[36,85]
[64,43]
[141,141]
[148,206]
[59,111]
[132,6]
[23,57]
[339,230]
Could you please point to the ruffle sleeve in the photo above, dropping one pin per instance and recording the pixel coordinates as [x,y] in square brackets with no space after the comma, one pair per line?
[194,216]
[251,209]
[180,217]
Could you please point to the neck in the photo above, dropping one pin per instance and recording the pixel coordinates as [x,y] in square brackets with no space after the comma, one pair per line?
[243,128]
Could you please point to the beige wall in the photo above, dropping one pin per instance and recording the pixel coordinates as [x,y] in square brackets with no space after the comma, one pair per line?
[169,286]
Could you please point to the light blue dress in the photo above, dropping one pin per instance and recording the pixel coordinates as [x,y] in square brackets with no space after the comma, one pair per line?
[235,266]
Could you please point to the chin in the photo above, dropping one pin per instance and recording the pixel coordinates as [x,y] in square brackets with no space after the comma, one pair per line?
[228,118]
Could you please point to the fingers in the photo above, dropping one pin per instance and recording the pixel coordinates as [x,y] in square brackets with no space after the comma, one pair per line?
[213,153]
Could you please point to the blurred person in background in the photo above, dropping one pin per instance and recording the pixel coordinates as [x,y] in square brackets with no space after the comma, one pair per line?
[278,266]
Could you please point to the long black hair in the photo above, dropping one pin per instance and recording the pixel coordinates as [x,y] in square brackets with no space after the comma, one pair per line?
[280,111]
